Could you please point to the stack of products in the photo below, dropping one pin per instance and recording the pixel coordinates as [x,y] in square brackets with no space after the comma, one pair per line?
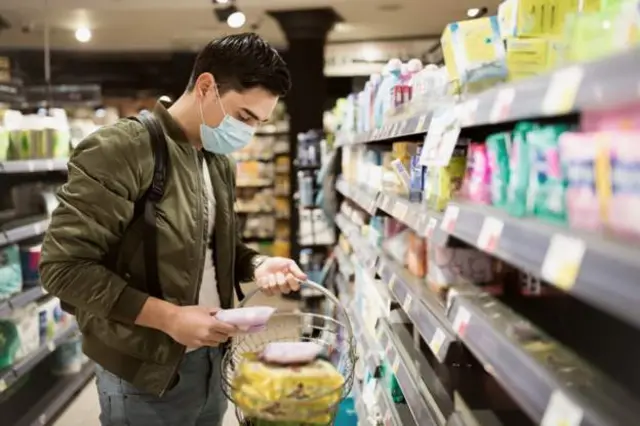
[28,137]
[29,328]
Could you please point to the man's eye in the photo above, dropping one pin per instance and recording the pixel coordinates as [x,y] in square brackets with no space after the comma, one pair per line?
[245,119]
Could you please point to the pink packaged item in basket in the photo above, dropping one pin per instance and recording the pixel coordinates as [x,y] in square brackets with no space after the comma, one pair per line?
[286,353]
[251,319]
[578,152]
[624,207]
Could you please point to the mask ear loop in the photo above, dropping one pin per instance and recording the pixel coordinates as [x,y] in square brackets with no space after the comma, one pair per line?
[224,112]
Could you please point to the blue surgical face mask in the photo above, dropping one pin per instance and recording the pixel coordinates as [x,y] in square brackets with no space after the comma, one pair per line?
[229,136]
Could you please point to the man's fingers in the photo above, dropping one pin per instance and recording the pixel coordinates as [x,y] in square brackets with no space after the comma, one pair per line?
[296,271]
[263,284]
[283,286]
[222,328]
[292,282]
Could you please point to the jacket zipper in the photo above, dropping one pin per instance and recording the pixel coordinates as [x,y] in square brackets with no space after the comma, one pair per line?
[199,238]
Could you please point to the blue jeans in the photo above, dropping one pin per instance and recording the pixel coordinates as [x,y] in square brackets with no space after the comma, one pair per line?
[196,400]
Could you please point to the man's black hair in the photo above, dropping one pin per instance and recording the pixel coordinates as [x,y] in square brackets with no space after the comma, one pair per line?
[240,62]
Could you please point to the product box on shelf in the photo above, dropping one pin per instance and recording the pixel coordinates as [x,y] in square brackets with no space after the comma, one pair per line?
[531,56]
[474,53]
[30,260]
[26,323]
[10,271]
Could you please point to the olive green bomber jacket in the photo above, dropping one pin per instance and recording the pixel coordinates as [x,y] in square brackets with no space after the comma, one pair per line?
[92,255]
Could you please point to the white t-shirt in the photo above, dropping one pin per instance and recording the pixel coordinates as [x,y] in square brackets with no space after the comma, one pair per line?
[209,286]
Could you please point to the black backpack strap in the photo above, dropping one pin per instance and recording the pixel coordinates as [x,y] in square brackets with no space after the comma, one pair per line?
[147,205]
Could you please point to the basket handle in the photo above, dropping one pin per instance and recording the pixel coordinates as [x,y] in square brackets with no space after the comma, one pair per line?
[315,286]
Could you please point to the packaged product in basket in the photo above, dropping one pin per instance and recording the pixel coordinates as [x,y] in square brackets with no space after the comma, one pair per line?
[251,319]
[307,393]
[287,353]
[547,185]
[498,147]
[578,152]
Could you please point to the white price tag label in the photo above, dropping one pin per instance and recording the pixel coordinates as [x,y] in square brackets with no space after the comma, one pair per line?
[450,218]
[51,346]
[31,166]
[396,364]
[461,321]
[407,303]
[400,210]
[431,226]
[392,283]
[502,105]
[563,260]
[420,125]
[563,88]
[3,386]
[380,269]
[561,411]
[490,234]
[37,228]
[50,165]
[467,112]
[441,139]
[436,341]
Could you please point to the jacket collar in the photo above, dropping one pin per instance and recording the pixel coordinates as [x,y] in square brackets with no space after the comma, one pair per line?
[171,127]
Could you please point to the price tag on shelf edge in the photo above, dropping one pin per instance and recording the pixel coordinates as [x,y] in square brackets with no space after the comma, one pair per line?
[562,90]
[431,226]
[51,346]
[441,139]
[396,364]
[407,303]
[561,411]
[421,122]
[502,105]
[490,234]
[563,260]
[450,218]
[467,112]
[3,386]
[436,341]
[400,210]
[461,321]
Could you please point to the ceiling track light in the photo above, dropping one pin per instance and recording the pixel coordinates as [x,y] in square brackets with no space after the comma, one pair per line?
[231,15]
[476,12]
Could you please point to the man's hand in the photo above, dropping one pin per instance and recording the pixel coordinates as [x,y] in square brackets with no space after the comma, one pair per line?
[192,326]
[279,275]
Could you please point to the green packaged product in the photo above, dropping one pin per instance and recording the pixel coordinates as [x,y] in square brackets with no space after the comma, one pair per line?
[519,170]
[498,148]
[547,183]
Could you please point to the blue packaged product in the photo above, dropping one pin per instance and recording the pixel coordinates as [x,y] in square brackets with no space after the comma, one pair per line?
[10,271]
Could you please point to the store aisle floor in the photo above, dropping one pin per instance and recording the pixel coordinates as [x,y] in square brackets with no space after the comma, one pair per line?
[84,410]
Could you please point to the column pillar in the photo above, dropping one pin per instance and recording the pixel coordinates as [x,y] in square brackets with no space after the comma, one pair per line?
[306,33]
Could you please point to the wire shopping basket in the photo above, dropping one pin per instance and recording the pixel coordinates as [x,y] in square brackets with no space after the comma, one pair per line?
[302,407]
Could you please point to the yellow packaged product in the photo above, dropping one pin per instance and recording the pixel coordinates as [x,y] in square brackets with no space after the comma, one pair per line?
[306,393]
[450,177]
[474,54]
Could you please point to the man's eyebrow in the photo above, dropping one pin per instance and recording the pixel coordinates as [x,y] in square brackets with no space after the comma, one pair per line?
[253,115]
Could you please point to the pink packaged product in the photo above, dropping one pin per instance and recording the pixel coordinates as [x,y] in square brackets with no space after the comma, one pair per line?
[623,209]
[286,353]
[251,319]
[622,118]
[578,152]
[478,175]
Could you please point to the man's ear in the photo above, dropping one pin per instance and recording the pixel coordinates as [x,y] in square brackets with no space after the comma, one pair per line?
[205,83]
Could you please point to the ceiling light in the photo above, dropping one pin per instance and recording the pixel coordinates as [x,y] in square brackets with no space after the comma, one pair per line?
[343,27]
[236,19]
[221,1]
[473,12]
[83,34]
[371,54]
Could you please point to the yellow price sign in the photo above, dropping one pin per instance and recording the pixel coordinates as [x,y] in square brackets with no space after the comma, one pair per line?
[563,260]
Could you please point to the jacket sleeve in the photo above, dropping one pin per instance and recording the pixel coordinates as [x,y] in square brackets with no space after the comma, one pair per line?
[96,205]
[244,269]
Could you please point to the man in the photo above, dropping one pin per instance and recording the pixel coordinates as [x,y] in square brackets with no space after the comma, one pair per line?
[159,358]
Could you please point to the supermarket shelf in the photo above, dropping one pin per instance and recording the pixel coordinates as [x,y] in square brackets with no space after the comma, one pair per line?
[343,290]
[401,356]
[392,413]
[361,410]
[604,83]
[12,374]
[596,265]
[550,383]
[370,354]
[423,308]
[31,166]
[16,231]
[364,197]
[20,300]
[54,401]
